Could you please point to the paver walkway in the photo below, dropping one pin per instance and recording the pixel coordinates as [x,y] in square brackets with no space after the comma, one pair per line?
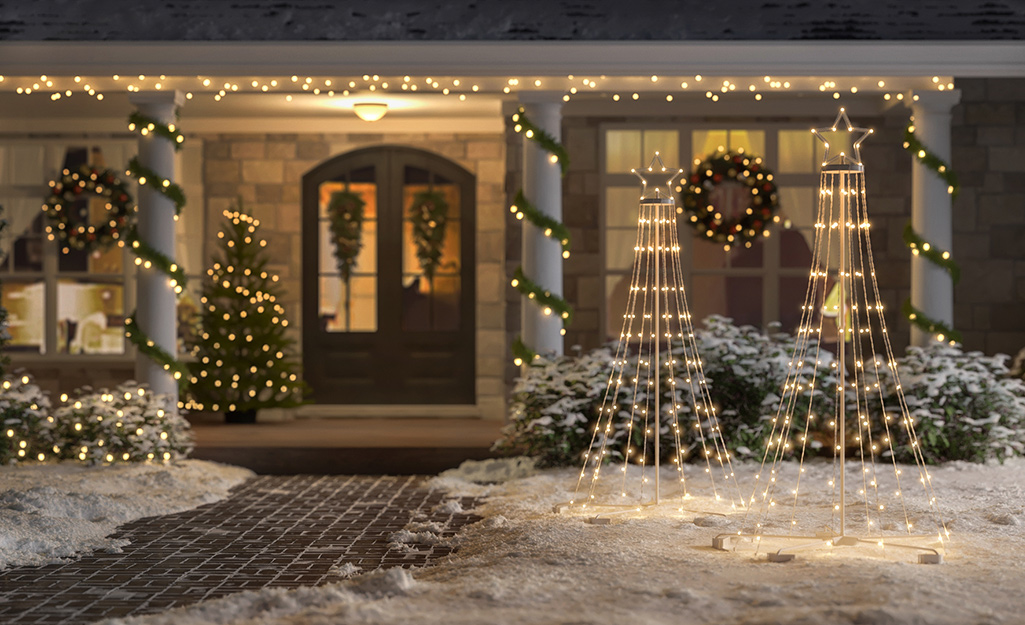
[283,531]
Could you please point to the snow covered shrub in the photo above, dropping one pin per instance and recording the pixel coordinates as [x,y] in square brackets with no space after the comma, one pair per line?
[28,427]
[964,406]
[128,424]
[555,406]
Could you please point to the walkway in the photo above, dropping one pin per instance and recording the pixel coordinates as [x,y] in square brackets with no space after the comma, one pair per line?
[282,531]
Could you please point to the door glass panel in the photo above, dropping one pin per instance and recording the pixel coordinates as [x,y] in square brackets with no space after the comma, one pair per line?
[347,263]
[25,304]
[90,317]
[431,249]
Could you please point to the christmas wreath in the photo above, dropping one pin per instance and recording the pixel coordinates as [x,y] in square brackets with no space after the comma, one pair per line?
[69,223]
[751,213]
[429,215]
[345,212]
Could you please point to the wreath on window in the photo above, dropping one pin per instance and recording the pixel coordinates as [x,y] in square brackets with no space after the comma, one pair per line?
[757,209]
[69,224]
[345,215]
[429,214]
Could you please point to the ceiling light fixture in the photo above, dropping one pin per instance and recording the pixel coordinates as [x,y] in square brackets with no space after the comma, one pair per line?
[370,111]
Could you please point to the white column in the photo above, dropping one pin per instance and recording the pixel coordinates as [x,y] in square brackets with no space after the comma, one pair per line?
[542,256]
[155,298]
[932,290]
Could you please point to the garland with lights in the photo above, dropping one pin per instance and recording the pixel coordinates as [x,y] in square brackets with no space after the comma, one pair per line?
[148,256]
[920,247]
[85,183]
[429,216]
[345,219]
[726,166]
[552,228]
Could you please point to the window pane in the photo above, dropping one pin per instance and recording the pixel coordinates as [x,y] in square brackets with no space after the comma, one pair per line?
[707,296]
[622,151]
[706,142]
[622,207]
[424,309]
[798,205]
[795,248]
[744,300]
[26,165]
[706,254]
[792,291]
[741,256]
[617,292]
[90,317]
[796,152]
[752,141]
[619,248]
[666,143]
[26,308]
[348,308]
[23,237]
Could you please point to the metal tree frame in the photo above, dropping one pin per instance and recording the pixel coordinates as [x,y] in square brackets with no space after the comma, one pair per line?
[842,215]
[657,353]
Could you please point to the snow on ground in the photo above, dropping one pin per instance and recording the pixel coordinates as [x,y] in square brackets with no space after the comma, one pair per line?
[525,564]
[50,512]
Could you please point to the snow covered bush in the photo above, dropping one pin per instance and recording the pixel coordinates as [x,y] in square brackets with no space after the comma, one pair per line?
[28,427]
[555,406]
[964,406]
[128,424]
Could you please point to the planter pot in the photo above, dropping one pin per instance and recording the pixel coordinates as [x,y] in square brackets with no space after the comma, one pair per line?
[240,416]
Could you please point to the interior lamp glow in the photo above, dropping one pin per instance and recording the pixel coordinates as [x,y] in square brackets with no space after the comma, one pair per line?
[370,111]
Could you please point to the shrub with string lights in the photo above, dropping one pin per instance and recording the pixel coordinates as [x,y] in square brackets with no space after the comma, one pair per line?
[244,357]
[128,424]
[28,427]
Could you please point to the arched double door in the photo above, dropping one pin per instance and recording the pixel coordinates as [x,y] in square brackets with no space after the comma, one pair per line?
[388,279]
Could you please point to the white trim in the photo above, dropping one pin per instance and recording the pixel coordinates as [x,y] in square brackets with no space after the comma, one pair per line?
[612,58]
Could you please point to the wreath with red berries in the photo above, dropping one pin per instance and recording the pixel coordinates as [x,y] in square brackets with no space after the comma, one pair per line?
[755,185]
[69,222]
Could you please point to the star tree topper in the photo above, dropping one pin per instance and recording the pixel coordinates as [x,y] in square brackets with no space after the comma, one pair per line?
[661,191]
[843,143]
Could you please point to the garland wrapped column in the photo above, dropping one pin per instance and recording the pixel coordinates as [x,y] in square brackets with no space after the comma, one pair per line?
[153,327]
[545,239]
[930,233]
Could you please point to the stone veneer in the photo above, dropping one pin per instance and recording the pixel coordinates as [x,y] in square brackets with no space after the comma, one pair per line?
[266,170]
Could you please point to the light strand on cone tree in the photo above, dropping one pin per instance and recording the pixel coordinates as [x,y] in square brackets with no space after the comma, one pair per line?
[549,302]
[146,255]
[920,247]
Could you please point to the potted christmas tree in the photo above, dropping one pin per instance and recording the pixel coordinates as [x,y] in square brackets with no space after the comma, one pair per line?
[244,357]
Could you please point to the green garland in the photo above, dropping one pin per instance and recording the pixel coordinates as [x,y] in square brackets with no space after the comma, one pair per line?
[87,183]
[921,247]
[429,216]
[148,256]
[550,303]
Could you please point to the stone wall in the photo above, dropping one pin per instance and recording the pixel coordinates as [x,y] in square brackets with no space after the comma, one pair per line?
[988,137]
[265,171]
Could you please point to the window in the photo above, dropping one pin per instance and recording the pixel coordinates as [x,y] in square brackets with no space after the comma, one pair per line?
[67,304]
[756,285]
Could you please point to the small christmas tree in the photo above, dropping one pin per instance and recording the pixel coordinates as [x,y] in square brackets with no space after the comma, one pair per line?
[244,356]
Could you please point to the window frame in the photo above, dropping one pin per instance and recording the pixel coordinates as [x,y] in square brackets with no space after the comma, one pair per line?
[770,272]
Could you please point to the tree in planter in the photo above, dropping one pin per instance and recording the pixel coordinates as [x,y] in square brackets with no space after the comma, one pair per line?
[345,212]
[243,357]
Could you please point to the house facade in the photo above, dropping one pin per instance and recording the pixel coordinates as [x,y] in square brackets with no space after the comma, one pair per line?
[274,125]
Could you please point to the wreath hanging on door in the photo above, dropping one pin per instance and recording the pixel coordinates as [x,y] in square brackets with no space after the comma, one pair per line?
[429,216]
[70,226]
[761,204]
[345,215]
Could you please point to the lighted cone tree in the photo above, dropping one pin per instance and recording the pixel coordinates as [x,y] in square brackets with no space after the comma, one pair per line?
[244,356]
[656,409]
[865,498]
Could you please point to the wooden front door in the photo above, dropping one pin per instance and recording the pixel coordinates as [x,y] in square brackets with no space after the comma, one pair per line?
[395,323]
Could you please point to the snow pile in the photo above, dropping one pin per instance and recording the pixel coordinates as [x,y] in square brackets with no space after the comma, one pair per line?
[49,512]
[523,563]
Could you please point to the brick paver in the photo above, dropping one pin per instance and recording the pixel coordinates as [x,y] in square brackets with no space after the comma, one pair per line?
[283,531]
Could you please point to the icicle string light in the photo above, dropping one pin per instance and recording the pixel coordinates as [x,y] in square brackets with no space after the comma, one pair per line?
[550,303]
[862,380]
[148,257]
[920,247]
[666,396]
